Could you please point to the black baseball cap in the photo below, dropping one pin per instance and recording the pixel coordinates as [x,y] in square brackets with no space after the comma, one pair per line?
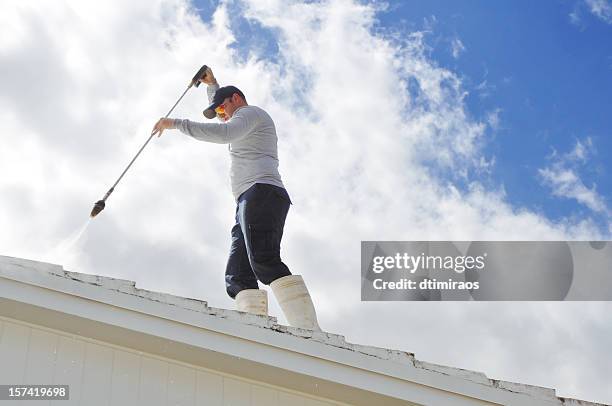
[221,94]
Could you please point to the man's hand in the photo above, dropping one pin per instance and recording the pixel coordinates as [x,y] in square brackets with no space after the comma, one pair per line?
[161,125]
[208,77]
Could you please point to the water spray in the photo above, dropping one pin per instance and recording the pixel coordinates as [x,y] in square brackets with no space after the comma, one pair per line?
[101,204]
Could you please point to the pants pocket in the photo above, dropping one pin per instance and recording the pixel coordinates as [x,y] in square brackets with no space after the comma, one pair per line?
[283,195]
[264,242]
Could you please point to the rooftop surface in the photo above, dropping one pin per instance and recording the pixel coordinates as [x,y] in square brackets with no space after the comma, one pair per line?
[55,277]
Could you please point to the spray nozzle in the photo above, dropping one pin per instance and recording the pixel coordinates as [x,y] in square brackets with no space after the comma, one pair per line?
[98,207]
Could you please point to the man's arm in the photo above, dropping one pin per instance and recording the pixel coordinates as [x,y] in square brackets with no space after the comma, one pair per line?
[210,91]
[242,123]
[171,123]
[212,86]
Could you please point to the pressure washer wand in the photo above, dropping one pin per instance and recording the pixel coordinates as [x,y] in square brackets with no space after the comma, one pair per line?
[100,204]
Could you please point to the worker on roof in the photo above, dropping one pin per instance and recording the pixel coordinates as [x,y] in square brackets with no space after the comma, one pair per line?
[262,203]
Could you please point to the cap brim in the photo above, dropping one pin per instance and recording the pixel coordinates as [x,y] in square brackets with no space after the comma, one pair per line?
[210,113]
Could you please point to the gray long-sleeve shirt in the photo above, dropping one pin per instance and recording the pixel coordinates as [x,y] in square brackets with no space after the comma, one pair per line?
[251,136]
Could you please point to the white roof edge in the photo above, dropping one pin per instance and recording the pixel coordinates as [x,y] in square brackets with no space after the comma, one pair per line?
[11,267]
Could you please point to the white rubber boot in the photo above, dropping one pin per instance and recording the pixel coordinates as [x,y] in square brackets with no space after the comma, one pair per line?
[295,302]
[253,301]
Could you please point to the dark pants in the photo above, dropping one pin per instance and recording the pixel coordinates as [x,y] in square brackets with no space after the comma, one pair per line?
[255,252]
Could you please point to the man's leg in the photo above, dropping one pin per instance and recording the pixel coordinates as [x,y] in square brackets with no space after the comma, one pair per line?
[238,272]
[262,211]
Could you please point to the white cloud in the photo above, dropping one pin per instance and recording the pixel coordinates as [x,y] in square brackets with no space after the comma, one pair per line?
[575,16]
[562,177]
[565,183]
[457,47]
[493,119]
[484,88]
[601,8]
[364,121]
[581,151]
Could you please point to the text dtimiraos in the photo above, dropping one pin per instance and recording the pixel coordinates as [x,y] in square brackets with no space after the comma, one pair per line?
[425,284]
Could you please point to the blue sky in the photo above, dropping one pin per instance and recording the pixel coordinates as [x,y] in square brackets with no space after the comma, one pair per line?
[550,77]
[543,68]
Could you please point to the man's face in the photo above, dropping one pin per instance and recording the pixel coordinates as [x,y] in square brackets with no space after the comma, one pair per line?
[228,106]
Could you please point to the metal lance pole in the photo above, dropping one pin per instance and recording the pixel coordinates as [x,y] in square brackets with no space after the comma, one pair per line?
[100,204]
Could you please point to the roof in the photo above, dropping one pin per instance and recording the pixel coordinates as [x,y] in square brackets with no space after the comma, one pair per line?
[256,347]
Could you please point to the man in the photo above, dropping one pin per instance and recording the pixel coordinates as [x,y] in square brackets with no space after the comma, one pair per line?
[262,203]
